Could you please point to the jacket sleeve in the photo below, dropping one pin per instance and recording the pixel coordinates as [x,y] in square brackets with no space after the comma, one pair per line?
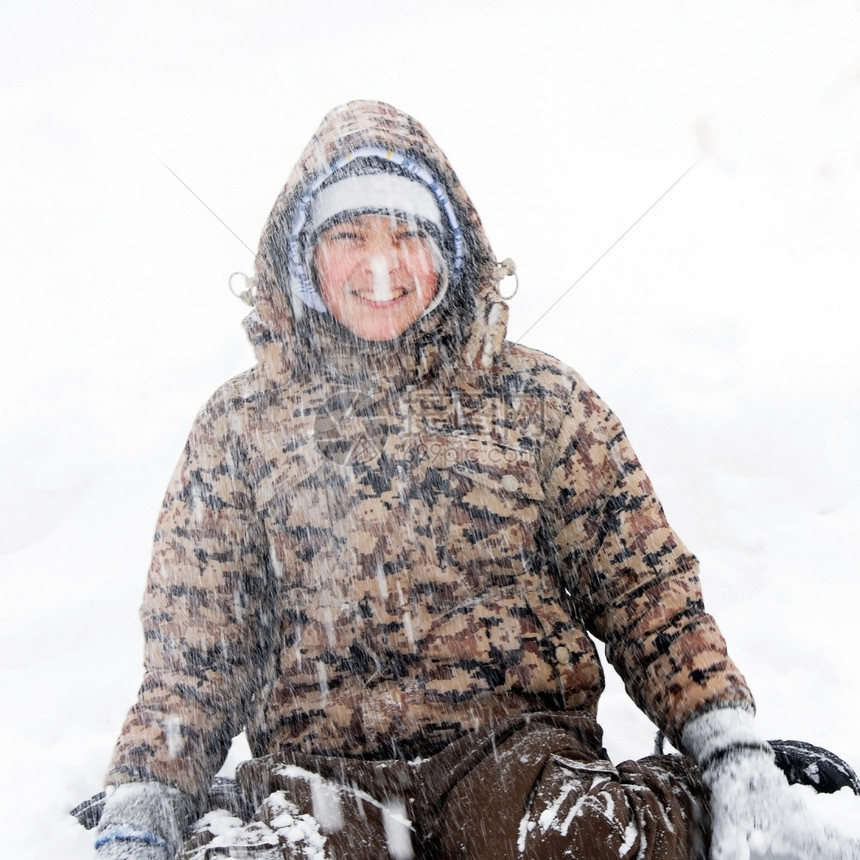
[633,582]
[205,614]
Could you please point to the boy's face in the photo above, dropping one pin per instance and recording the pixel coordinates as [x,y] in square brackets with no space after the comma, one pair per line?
[376,274]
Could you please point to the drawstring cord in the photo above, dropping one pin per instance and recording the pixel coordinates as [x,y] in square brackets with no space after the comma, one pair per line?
[249,294]
[507,269]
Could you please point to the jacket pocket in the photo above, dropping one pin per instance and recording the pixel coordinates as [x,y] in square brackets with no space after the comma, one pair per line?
[506,471]
[494,507]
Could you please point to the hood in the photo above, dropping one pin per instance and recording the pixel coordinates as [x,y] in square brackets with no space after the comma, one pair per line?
[467,327]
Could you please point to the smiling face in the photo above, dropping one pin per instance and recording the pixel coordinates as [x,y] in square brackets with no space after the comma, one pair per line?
[377,274]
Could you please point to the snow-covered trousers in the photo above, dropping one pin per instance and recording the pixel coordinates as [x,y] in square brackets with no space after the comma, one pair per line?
[539,788]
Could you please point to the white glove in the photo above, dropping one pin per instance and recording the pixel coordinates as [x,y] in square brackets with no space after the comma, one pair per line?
[130,847]
[754,814]
[141,821]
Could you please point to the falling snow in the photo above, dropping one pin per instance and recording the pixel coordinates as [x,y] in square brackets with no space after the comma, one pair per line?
[722,328]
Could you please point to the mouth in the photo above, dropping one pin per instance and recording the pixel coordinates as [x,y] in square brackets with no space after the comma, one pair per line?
[373,300]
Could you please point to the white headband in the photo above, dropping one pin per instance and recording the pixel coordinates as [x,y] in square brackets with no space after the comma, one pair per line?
[373,192]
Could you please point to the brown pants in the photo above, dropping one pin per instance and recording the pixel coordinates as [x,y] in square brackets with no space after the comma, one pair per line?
[534,790]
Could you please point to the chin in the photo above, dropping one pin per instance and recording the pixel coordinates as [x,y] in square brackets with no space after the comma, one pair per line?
[382,331]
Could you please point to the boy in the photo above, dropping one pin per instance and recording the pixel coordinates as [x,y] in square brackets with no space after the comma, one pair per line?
[385,554]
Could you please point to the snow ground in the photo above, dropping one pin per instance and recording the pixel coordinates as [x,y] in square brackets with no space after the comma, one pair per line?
[722,328]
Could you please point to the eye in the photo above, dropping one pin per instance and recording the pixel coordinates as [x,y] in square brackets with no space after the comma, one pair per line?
[408,233]
[344,234]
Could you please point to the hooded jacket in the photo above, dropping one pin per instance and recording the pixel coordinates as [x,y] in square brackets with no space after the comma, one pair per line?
[370,549]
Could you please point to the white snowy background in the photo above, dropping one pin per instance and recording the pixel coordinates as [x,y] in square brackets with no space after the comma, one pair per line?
[722,328]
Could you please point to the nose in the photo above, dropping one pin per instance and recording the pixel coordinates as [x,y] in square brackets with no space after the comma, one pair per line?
[382,246]
[379,266]
[380,269]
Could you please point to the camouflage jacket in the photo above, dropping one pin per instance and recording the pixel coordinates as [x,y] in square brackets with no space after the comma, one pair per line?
[370,549]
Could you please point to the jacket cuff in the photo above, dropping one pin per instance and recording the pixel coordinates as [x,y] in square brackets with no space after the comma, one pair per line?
[709,736]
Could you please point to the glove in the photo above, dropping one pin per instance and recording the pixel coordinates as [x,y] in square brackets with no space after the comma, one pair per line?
[754,813]
[142,821]
[130,845]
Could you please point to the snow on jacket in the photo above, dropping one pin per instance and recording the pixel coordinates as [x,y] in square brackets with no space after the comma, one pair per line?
[371,548]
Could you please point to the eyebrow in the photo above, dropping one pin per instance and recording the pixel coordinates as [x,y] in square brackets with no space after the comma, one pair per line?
[340,230]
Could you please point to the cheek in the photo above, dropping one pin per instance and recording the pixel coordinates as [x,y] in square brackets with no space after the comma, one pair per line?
[423,269]
[331,272]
